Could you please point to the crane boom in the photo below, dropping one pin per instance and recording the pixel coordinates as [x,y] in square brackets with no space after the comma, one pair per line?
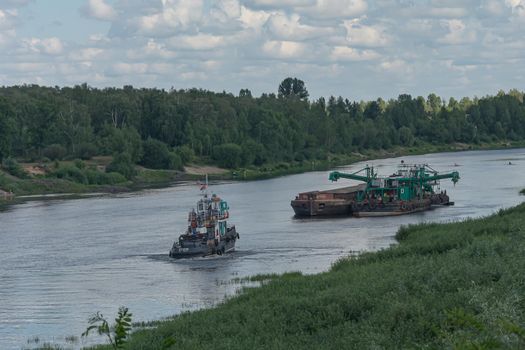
[453,175]
[370,175]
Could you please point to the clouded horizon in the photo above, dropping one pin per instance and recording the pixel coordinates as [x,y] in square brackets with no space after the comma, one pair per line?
[352,48]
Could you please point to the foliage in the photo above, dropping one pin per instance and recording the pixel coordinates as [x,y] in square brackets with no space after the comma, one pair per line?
[456,285]
[12,167]
[71,173]
[78,173]
[86,150]
[228,155]
[54,152]
[193,123]
[118,333]
[156,154]
[522,191]
[292,88]
[122,164]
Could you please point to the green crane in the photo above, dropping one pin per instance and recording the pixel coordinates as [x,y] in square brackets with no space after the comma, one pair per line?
[370,175]
[410,181]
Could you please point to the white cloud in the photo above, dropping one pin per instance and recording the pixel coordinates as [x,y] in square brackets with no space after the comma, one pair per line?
[284,49]
[458,33]
[87,54]
[151,50]
[124,68]
[197,42]
[448,12]
[517,6]
[358,34]
[282,3]
[226,10]
[160,18]
[335,9]
[253,19]
[345,53]
[286,27]
[100,10]
[50,46]
[396,66]
[386,44]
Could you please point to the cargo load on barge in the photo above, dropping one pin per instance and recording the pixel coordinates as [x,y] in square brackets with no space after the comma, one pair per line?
[411,189]
[208,231]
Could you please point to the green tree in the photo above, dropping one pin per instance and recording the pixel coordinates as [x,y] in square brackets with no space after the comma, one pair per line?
[156,154]
[122,164]
[292,88]
[228,155]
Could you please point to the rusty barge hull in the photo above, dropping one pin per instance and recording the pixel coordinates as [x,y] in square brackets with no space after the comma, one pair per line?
[343,201]
[326,203]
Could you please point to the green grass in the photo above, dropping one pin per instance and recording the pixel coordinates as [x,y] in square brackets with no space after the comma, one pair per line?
[457,285]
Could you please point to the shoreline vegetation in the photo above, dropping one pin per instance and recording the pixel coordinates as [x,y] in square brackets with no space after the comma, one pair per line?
[83,139]
[448,285]
[36,182]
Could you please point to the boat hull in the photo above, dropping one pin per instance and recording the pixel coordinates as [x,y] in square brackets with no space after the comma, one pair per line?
[327,207]
[192,246]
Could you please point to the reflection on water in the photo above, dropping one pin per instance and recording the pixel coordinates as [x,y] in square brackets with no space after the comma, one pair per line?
[62,260]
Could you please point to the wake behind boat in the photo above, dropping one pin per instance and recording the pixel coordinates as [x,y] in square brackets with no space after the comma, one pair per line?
[208,232]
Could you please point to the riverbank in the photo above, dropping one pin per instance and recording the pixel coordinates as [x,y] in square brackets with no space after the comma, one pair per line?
[150,178]
[455,285]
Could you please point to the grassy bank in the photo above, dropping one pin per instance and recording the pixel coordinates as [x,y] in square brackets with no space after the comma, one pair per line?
[457,285]
[145,178]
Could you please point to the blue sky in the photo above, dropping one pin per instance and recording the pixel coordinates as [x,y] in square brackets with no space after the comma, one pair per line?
[354,48]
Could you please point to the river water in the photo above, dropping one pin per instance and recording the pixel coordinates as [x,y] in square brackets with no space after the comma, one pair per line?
[63,260]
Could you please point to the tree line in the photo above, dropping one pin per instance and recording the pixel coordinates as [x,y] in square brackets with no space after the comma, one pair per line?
[166,129]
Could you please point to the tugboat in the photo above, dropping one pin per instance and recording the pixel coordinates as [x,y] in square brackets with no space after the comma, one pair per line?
[410,189]
[208,232]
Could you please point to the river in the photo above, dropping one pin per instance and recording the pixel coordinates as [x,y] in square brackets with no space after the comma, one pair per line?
[62,260]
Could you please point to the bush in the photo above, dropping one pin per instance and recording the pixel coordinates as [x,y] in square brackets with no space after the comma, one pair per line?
[156,154]
[185,153]
[96,177]
[54,152]
[174,161]
[71,173]
[228,155]
[122,164]
[79,163]
[12,167]
[86,150]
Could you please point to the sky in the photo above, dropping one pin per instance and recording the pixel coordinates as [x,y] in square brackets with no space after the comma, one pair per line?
[352,48]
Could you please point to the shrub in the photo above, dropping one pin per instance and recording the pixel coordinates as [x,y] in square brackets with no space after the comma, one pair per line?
[12,167]
[54,152]
[156,154]
[122,164]
[228,155]
[96,177]
[86,150]
[71,173]
[79,163]
[185,153]
[174,161]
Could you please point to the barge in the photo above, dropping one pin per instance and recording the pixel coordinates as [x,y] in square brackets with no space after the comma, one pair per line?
[411,189]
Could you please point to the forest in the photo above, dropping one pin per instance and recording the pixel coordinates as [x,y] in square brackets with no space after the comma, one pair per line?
[166,129]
